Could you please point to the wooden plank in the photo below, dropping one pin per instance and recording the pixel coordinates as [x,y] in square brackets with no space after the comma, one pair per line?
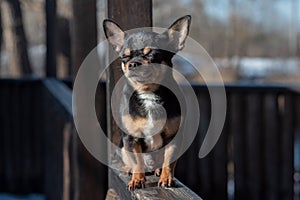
[237,129]
[205,166]
[88,176]
[37,136]
[17,138]
[254,149]
[187,169]
[220,169]
[220,161]
[291,113]
[15,135]
[74,169]
[92,175]
[271,146]
[3,116]
[7,130]
[26,138]
[119,182]
[53,150]
[61,93]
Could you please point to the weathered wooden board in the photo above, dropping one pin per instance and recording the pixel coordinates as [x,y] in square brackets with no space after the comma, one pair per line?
[119,180]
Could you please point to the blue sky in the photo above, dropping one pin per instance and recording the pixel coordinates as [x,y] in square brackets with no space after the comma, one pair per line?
[280,10]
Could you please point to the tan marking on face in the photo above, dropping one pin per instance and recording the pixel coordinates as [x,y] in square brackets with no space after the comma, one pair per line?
[127,52]
[146,50]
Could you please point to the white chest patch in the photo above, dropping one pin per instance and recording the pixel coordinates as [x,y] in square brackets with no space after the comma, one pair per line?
[156,117]
[150,100]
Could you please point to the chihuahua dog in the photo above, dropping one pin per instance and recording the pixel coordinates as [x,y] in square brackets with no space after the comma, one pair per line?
[150,112]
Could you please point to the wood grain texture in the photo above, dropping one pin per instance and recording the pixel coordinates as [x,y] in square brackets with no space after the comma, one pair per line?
[151,191]
[290,117]
[271,146]
[237,129]
[128,14]
[88,176]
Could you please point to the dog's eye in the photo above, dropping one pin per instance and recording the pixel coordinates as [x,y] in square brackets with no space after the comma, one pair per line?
[126,52]
[126,55]
[146,50]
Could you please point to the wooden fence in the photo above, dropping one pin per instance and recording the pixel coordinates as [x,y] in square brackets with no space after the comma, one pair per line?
[254,158]
[40,151]
[256,148]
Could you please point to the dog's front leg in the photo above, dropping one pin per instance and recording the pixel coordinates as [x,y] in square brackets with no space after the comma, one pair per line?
[134,159]
[167,174]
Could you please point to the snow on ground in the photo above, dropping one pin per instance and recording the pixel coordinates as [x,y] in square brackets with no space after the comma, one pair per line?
[262,67]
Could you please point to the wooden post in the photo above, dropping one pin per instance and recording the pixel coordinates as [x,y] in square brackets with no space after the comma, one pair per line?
[128,14]
[91,175]
[51,37]
[84,31]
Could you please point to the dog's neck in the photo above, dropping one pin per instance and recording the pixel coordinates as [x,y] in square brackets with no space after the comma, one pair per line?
[149,100]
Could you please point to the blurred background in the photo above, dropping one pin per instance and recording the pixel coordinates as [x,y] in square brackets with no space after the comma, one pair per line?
[254,43]
[249,40]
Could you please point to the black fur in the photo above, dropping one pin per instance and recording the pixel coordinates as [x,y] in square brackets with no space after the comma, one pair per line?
[145,93]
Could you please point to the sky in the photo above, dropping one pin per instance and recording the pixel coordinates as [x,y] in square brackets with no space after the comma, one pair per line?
[280,10]
[255,9]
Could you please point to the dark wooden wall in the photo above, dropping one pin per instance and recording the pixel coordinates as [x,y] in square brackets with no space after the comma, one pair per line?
[22,160]
[40,151]
[255,151]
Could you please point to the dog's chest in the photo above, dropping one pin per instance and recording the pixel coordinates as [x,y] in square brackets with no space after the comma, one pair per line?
[145,119]
[145,116]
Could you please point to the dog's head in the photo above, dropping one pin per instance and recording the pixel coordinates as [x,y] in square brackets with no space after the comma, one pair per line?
[142,52]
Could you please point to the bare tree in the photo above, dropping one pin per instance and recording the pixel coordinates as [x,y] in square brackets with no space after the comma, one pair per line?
[19,56]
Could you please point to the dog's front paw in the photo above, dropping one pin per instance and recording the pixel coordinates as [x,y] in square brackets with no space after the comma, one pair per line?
[138,180]
[166,179]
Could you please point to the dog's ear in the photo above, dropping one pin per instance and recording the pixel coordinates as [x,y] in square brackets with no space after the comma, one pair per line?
[178,32]
[114,34]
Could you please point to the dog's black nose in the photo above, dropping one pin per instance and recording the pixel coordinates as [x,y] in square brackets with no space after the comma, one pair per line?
[134,64]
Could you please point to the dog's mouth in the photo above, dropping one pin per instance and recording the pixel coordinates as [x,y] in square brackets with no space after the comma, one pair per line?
[141,75]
